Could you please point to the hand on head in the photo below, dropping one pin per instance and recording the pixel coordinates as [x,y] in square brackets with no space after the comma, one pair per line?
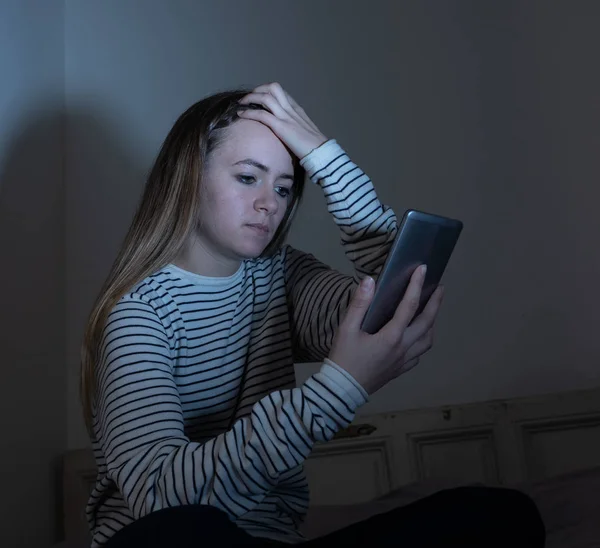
[284,117]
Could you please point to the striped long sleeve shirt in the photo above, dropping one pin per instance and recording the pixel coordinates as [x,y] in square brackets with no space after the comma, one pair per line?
[196,397]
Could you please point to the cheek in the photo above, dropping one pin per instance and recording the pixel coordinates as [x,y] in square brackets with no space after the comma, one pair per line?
[218,206]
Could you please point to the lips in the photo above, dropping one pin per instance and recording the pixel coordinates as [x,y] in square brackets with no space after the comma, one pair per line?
[260,227]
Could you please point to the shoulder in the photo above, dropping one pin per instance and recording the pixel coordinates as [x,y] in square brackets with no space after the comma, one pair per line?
[164,284]
[151,299]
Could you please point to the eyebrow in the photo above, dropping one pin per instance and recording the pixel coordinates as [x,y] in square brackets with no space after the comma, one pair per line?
[262,167]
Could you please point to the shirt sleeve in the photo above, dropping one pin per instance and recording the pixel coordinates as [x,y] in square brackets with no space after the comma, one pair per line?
[318,295]
[140,428]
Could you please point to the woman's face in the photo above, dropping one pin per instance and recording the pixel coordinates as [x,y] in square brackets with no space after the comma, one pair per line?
[246,190]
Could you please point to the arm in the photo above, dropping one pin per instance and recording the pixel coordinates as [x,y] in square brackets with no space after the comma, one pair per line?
[318,295]
[367,227]
[140,427]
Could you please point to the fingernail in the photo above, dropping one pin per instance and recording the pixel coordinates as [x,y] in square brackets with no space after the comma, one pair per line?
[367,284]
[423,270]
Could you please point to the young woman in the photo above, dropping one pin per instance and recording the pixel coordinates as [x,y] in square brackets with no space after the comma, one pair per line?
[187,375]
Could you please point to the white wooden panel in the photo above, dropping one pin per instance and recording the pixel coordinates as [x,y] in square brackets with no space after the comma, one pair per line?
[562,445]
[468,455]
[454,443]
[78,481]
[349,472]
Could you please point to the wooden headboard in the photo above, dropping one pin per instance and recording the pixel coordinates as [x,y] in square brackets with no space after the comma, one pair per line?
[504,442]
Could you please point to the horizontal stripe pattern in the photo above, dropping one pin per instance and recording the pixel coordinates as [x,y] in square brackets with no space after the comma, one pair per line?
[196,402]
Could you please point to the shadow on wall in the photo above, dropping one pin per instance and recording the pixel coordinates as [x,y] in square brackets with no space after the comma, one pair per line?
[104,180]
[61,223]
[32,348]
[104,183]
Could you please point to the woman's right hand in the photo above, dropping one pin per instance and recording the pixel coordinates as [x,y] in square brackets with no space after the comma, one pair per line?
[374,360]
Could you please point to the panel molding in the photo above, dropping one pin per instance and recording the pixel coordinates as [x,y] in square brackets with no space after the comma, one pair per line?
[536,459]
[420,442]
[352,456]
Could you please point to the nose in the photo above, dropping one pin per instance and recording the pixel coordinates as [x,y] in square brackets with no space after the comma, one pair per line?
[266,201]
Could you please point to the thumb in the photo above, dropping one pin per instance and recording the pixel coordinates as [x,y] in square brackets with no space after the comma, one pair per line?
[361,299]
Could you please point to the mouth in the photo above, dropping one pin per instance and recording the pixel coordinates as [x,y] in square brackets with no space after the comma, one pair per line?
[262,229]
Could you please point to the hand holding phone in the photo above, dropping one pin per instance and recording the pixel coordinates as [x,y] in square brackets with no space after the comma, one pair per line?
[423,238]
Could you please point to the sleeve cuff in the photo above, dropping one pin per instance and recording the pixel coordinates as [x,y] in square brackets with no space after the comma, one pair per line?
[320,157]
[357,394]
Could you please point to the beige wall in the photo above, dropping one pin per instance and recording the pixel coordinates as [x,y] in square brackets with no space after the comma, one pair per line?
[484,111]
[32,268]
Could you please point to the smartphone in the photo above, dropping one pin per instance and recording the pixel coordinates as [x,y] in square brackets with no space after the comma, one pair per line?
[422,238]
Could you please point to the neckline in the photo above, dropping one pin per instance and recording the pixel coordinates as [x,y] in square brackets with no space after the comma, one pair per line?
[213,281]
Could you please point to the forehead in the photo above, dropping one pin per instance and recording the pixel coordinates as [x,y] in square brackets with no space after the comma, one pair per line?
[249,139]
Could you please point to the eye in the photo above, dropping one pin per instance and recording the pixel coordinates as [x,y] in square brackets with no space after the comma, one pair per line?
[246,179]
[284,192]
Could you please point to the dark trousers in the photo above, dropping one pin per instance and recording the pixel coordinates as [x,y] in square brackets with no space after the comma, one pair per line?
[463,517]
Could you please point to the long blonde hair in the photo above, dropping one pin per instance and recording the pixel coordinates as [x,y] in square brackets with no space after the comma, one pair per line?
[166,216]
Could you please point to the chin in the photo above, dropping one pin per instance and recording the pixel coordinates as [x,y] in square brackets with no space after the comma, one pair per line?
[250,252]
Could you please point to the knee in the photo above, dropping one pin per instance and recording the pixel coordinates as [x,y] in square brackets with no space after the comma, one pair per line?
[514,511]
[525,516]
[515,502]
